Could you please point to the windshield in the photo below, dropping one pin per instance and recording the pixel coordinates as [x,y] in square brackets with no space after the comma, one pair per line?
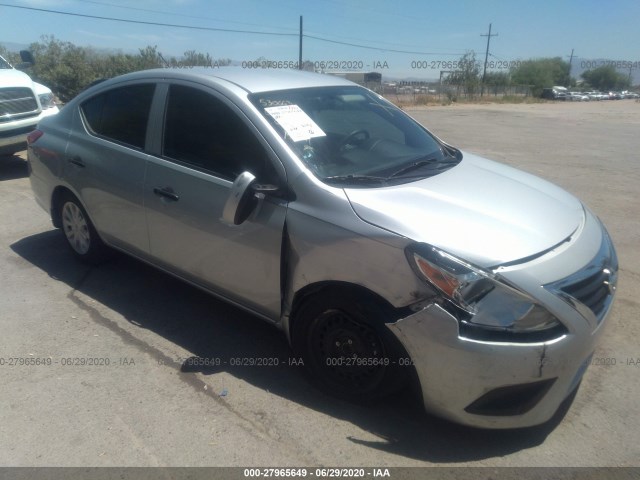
[4,63]
[351,135]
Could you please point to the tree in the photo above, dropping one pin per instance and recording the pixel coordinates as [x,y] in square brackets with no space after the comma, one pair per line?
[64,67]
[68,69]
[499,79]
[308,66]
[11,57]
[606,78]
[467,75]
[495,80]
[541,73]
[149,57]
[107,66]
[191,58]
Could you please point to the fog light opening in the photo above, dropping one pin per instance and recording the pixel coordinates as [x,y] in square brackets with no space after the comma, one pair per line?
[511,400]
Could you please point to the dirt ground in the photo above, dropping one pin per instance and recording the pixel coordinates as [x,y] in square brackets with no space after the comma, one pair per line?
[143,409]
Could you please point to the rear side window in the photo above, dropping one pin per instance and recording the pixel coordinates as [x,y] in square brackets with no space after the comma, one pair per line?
[203,132]
[120,114]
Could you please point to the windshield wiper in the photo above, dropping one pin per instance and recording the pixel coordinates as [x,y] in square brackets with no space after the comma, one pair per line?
[413,166]
[354,179]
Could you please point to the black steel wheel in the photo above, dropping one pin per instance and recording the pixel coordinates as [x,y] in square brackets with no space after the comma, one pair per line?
[347,349]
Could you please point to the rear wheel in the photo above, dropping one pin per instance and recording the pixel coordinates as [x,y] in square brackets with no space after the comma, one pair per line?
[80,232]
[346,347]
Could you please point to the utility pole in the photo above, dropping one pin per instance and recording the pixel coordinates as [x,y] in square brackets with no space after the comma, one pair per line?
[486,57]
[569,77]
[300,49]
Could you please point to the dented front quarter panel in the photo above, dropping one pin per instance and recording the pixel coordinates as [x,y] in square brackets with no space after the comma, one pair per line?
[327,242]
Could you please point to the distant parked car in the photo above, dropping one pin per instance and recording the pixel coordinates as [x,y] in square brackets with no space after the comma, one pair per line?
[555,93]
[577,97]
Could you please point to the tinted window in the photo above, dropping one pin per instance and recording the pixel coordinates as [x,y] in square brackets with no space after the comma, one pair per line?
[120,114]
[202,131]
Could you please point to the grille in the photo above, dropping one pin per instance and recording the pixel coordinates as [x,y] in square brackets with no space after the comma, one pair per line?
[593,291]
[17,101]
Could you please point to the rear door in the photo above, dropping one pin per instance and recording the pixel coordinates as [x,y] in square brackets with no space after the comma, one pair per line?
[206,143]
[106,159]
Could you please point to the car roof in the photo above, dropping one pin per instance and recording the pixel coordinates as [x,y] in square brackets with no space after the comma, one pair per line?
[251,80]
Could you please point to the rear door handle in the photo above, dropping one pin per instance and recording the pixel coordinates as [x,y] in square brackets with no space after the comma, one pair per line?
[77,161]
[166,192]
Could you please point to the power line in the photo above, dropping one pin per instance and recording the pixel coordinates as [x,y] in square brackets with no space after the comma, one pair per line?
[165,12]
[369,47]
[345,6]
[193,27]
[391,44]
[157,24]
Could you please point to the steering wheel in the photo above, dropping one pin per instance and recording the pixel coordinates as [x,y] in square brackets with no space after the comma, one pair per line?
[352,136]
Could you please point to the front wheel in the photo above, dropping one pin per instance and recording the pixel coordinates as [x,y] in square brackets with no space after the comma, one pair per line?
[347,348]
[79,231]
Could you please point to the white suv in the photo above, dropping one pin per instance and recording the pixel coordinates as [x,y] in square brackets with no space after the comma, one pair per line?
[23,103]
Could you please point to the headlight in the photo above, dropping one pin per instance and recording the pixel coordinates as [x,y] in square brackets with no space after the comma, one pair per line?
[47,100]
[487,307]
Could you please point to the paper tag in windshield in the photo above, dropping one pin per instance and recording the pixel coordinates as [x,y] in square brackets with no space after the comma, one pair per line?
[298,125]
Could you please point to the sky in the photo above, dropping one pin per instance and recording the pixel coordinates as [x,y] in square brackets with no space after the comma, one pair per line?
[401,38]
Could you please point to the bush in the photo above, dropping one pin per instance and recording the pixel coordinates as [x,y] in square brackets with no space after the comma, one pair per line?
[68,69]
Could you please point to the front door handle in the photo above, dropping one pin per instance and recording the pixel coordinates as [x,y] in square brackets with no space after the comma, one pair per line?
[166,192]
[77,161]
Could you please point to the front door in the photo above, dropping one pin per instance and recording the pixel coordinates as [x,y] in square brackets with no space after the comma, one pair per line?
[206,143]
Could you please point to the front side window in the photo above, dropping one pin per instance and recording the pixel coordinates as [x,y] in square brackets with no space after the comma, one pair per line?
[203,132]
[349,135]
[120,114]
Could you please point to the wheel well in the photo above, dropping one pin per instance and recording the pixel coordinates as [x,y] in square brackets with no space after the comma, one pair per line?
[329,289]
[56,197]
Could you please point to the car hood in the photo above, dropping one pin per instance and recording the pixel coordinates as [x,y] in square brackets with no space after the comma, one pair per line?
[10,77]
[40,89]
[479,210]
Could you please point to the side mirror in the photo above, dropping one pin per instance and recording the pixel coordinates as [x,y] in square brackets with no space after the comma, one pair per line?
[27,59]
[241,201]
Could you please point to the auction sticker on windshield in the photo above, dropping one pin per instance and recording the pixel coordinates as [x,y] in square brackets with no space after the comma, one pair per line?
[296,123]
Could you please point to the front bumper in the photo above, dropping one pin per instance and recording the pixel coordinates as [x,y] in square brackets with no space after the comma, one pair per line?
[511,385]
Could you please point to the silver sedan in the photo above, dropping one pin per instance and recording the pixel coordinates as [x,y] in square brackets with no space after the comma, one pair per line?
[385,255]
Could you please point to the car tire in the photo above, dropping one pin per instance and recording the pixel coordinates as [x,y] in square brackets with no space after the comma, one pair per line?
[347,349]
[81,235]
